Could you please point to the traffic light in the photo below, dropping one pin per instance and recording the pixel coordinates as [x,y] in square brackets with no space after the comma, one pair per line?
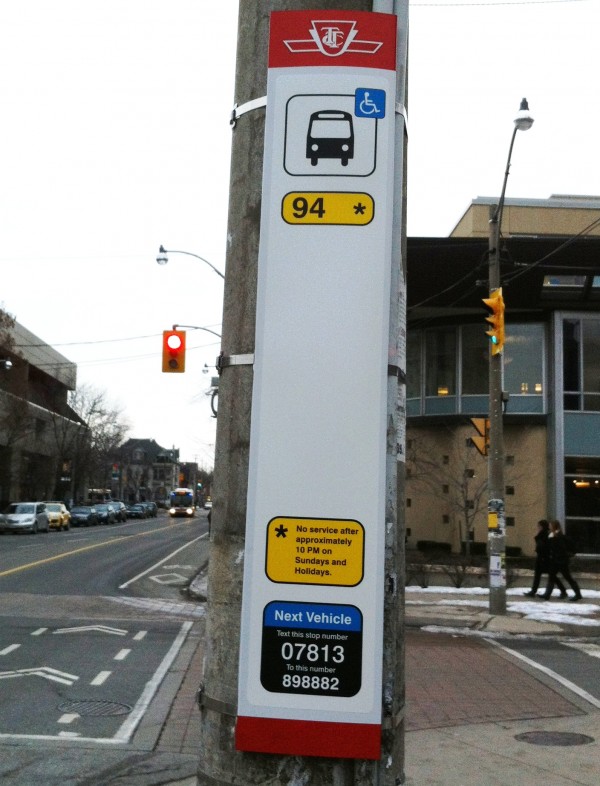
[482,440]
[173,354]
[496,303]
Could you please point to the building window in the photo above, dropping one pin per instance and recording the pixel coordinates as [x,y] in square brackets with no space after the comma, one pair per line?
[581,361]
[445,519]
[523,360]
[474,360]
[413,365]
[510,491]
[440,354]
[446,488]
[582,502]
[510,521]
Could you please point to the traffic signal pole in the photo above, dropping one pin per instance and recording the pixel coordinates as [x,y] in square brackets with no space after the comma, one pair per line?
[496,515]
[220,763]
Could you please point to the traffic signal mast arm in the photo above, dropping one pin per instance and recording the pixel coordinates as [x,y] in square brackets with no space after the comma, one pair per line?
[495,302]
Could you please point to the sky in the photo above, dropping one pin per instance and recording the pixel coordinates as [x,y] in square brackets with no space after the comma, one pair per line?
[116,139]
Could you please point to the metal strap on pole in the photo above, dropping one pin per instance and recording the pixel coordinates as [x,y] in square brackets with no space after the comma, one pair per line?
[241,109]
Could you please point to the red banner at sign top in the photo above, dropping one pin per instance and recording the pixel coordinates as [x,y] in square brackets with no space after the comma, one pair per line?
[356,39]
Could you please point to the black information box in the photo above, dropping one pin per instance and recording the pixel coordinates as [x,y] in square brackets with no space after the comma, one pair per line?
[311,648]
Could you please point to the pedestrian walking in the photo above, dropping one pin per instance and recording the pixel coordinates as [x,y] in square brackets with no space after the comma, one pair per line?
[542,560]
[559,561]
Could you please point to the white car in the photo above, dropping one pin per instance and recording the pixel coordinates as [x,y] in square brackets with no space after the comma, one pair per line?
[26,517]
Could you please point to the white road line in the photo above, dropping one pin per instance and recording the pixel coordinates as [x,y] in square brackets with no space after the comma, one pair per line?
[68,717]
[588,648]
[158,564]
[129,726]
[122,654]
[38,632]
[553,674]
[10,648]
[141,635]
[101,678]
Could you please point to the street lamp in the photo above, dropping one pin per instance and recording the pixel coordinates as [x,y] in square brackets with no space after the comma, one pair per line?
[497,399]
[162,258]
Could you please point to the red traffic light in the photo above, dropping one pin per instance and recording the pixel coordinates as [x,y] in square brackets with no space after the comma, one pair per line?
[173,354]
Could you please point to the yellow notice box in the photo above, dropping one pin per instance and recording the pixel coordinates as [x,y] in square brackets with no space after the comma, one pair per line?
[315,551]
[328,207]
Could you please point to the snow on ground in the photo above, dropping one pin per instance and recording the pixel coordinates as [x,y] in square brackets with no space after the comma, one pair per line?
[564,612]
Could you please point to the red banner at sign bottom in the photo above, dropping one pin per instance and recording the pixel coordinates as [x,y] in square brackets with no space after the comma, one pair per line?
[308,738]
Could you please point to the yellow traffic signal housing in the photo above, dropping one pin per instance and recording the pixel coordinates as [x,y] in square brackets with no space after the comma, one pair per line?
[482,441]
[173,352]
[495,302]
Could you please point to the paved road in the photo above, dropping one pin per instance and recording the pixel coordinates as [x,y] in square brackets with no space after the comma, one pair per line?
[91,621]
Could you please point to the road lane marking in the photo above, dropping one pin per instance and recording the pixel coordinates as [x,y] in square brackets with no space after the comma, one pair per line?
[122,654]
[158,564]
[141,635]
[68,717]
[127,729]
[98,628]
[10,648]
[38,632]
[41,671]
[101,678]
[110,542]
[129,726]
[550,673]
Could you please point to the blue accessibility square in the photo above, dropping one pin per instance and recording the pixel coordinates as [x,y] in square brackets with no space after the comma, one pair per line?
[369,102]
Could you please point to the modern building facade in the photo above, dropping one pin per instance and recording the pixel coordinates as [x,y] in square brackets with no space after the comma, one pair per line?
[550,270]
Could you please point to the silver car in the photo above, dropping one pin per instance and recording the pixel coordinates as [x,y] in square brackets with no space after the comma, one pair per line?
[26,517]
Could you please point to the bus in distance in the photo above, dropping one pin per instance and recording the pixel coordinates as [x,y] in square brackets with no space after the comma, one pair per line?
[182,503]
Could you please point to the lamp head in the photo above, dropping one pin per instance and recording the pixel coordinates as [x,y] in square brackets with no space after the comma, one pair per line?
[523,120]
[162,257]
[6,364]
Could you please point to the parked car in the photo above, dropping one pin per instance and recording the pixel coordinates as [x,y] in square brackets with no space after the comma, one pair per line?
[152,508]
[58,515]
[120,510]
[84,516]
[106,513]
[26,516]
[137,511]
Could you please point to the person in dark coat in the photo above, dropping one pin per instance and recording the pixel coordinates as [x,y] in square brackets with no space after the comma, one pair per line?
[559,561]
[542,560]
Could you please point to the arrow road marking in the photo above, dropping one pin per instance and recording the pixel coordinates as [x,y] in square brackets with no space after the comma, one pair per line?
[41,671]
[99,628]
[168,578]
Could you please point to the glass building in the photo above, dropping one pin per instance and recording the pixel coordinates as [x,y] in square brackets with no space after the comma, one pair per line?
[551,374]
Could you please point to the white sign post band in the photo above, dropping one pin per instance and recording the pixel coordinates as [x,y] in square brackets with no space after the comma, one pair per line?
[310,676]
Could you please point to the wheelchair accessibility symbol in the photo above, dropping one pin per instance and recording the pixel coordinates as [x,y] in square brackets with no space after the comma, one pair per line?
[369,102]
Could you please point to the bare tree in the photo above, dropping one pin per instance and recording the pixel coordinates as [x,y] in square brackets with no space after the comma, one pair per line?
[87,441]
[450,470]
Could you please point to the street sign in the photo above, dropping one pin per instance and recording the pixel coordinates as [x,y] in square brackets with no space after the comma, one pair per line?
[311,647]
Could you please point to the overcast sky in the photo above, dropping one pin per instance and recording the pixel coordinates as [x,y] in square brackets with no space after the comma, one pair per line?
[116,138]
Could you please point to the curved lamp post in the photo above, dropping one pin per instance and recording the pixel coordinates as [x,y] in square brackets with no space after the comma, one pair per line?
[162,258]
[496,458]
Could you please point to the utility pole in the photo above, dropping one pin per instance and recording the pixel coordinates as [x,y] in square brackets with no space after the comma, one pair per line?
[220,763]
[496,513]
[496,516]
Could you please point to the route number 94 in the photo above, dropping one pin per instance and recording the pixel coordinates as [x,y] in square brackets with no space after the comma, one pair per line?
[328,207]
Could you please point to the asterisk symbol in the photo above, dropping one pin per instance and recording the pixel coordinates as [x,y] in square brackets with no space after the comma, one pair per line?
[281,531]
[359,209]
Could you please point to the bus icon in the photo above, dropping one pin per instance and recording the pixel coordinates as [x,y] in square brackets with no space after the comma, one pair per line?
[330,135]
